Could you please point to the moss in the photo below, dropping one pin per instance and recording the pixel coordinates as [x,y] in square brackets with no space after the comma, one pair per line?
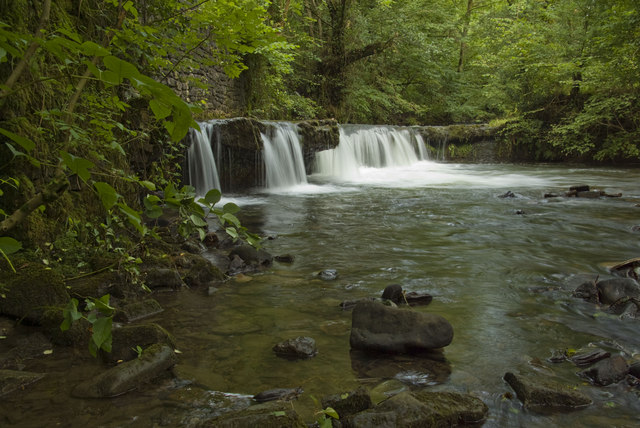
[125,340]
[32,291]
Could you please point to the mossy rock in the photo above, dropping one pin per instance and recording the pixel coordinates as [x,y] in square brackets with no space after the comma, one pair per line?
[198,271]
[77,335]
[31,292]
[127,338]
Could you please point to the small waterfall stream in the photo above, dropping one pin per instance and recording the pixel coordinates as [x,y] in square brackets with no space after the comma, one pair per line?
[203,172]
[373,147]
[284,165]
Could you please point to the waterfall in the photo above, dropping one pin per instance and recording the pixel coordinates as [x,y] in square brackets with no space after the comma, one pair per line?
[283,161]
[373,147]
[203,173]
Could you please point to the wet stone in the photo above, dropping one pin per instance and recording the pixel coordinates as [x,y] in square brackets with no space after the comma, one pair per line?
[328,274]
[608,371]
[282,394]
[349,403]
[614,289]
[299,348]
[545,395]
[589,358]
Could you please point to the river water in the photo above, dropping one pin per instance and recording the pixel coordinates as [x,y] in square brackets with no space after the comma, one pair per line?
[501,270]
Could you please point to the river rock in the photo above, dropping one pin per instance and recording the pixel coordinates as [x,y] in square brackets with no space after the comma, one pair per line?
[539,394]
[589,358]
[126,339]
[377,327]
[153,362]
[252,257]
[30,293]
[418,369]
[608,371]
[328,274]
[634,370]
[414,298]
[349,403]
[158,278]
[283,394]
[134,311]
[394,293]
[274,414]
[285,258]
[614,289]
[298,348]
[422,409]
[347,305]
[587,291]
[627,307]
[12,380]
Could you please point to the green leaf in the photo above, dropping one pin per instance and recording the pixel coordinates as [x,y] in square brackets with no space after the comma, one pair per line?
[231,231]
[23,142]
[330,411]
[90,48]
[230,208]
[198,221]
[70,314]
[212,197]
[160,110]
[9,245]
[149,185]
[230,218]
[102,333]
[119,69]
[133,216]
[77,165]
[108,194]
[102,305]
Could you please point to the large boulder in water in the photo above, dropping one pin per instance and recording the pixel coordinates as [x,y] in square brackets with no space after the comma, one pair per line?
[381,328]
[545,395]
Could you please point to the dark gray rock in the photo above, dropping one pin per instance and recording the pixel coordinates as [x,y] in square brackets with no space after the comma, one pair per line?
[153,362]
[252,256]
[135,311]
[283,394]
[30,293]
[608,371]
[381,328]
[587,291]
[422,409]
[163,278]
[300,347]
[414,298]
[538,394]
[328,274]
[627,307]
[347,305]
[634,370]
[394,293]
[508,194]
[349,403]
[589,358]
[614,289]
[12,380]
[285,258]
[126,339]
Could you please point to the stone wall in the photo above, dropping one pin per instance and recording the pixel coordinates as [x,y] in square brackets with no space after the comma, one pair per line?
[222,95]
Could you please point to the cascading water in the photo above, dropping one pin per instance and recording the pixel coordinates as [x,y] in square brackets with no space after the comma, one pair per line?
[203,173]
[283,161]
[374,147]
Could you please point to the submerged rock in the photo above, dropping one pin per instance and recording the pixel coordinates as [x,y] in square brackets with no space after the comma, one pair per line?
[11,380]
[300,347]
[275,414]
[135,311]
[122,378]
[349,403]
[422,409]
[394,293]
[587,291]
[540,394]
[424,368]
[586,359]
[328,274]
[377,327]
[608,371]
[125,339]
[156,278]
[282,394]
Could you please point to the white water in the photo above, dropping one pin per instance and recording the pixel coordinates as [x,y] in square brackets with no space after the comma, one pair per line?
[203,173]
[370,147]
[283,161]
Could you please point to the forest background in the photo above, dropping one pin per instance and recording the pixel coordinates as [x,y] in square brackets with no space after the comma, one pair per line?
[90,130]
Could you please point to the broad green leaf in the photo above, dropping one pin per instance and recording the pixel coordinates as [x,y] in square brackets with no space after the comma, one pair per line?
[149,185]
[160,110]
[77,165]
[230,218]
[102,333]
[232,232]
[230,208]
[108,194]
[198,221]
[212,197]
[23,142]
[330,411]
[121,69]
[133,216]
[9,245]
[90,48]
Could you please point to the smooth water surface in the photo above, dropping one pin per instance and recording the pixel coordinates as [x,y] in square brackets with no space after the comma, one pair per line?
[501,270]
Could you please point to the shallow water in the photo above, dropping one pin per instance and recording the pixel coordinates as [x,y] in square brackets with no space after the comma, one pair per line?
[503,280]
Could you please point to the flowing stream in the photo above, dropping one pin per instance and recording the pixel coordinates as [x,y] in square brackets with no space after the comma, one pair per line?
[501,270]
